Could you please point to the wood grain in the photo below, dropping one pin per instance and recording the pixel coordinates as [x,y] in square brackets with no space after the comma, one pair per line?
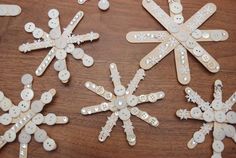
[79,137]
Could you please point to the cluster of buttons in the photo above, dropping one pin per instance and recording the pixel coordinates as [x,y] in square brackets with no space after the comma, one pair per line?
[149,36]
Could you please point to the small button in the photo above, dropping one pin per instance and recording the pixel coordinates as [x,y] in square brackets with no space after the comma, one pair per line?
[87,60]
[38,119]
[30,128]
[218,146]
[5,104]
[38,33]
[61,54]
[132,100]
[206,58]
[153,121]
[231,117]
[49,144]
[196,112]
[229,130]
[152,97]
[27,79]
[119,90]
[179,19]
[205,35]
[143,98]
[46,97]
[14,111]
[176,8]
[104,106]
[197,34]
[3,11]
[5,119]
[144,115]
[27,94]
[124,114]
[134,111]
[64,75]
[108,95]
[220,116]
[29,27]
[1,96]
[100,90]
[216,36]
[103,4]
[190,43]
[78,53]
[208,116]
[59,65]
[37,106]
[53,23]
[198,51]
[199,137]
[219,134]
[24,106]
[24,138]
[40,135]
[70,48]
[9,136]
[53,13]
[51,119]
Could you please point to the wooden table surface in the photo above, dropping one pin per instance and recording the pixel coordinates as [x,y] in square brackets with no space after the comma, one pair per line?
[79,137]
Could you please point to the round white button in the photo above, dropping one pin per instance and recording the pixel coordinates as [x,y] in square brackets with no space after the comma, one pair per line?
[46,97]
[100,90]
[132,100]
[219,134]
[26,79]
[220,116]
[38,33]
[229,130]
[216,36]
[61,54]
[152,97]
[197,34]
[37,106]
[9,136]
[49,144]
[53,13]
[64,75]
[179,19]
[6,104]
[199,137]
[206,58]
[190,43]
[231,117]
[14,111]
[24,106]
[144,115]
[176,8]
[119,90]
[27,94]
[78,53]
[143,98]
[51,119]
[70,48]
[208,116]
[40,135]
[29,27]
[205,35]
[124,114]
[59,65]
[3,11]
[104,106]
[38,119]
[218,146]
[198,51]
[24,138]
[134,111]
[5,119]
[53,23]
[196,112]
[30,128]
[103,4]
[1,96]
[153,121]
[87,60]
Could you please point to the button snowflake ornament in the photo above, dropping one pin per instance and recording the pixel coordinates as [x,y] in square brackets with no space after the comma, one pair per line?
[218,116]
[26,118]
[180,37]
[62,44]
[122,105]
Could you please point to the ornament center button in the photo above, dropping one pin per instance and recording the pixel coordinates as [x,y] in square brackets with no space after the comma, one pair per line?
[120,103]
[61,43]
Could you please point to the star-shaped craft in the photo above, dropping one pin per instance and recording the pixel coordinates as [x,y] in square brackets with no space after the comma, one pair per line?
[180,37]
[26,118]
[217,116]
[61,44]
[122,105]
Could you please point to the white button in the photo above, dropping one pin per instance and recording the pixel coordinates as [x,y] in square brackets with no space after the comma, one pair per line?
[132,100]
[219,134]
[152,97]
[198,51]
[30,128]
[9,136]
[53,23]
[78,53]
[1,96]
[46,97]
[61,54]
[59,65]
[5,119]
[229,130]
[14,111]
[197,34]
[173,27]
[153,121]
[38,33]
[216,155]
[37,106]
[143,98]
[119,90]
[196,112]
[218,146]
[27,94]
[220,116]
[216,36]
[208,116]
[38,119]
[29,27]
[103,4]
[49,144]
[5,104]
[50,119]
[134,111]
[100,90]
[3,11]
[26,79]
[87,60]
[40,135]
[190,43]
[144,115]
[231,117]
[108,95]
[206,58]
[124,114]
[70,48]
[199,137]
[64,75]
[53,13]
[179,19]
[24,106]
[104,106]
[176,8]
[24,138]
[205,35]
